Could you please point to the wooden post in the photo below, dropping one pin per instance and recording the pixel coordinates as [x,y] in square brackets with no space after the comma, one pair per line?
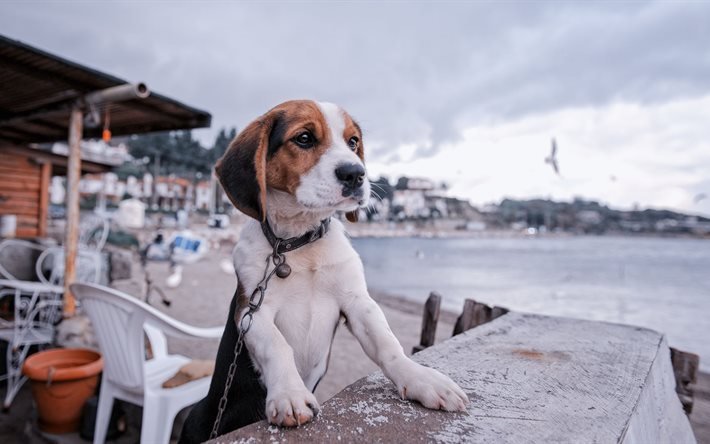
[497,312]
[467,318]
[44,183]
[432,308]
[71,237]
[685,370]
[475,314]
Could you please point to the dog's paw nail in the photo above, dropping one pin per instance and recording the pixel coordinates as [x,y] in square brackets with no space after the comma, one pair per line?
[313,408]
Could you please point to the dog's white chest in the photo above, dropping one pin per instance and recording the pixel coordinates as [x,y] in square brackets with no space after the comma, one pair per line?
[307,316]
[305,305]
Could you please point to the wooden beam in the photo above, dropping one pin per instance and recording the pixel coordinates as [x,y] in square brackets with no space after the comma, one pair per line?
[72,228]
[45,178]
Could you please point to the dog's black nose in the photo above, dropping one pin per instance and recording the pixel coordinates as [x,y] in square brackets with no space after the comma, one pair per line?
[352,175]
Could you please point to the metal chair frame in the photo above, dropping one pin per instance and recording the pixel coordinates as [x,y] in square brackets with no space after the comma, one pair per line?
[37,306]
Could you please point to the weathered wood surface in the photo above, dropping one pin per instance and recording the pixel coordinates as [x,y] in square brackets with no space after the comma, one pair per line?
[530,379]
[71,236]
[475,314]
[20,189]
[685,370]
[430,319]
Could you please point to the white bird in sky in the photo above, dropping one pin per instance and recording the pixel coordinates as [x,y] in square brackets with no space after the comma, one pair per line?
[552,158]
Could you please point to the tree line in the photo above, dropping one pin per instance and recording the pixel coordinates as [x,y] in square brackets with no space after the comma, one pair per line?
[174,152]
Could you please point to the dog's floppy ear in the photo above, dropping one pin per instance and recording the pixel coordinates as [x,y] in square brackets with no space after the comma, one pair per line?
[242,169]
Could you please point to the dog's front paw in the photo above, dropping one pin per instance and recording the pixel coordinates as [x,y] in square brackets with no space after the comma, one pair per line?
[291,408]
[432,389]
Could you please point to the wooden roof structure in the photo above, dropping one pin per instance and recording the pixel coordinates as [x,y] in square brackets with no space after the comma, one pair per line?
[38,90]
[46,98]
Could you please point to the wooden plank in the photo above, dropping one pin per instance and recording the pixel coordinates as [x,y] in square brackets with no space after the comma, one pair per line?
[466,320]
[6,171]
[25,175]
[19,194]
[46,177]
[27,184]
[19,210]
[430,319]
[475,314]
[481,314]
[26,232]
[24,219]
[497,312]
[530,379]
[7,201]
[10,160]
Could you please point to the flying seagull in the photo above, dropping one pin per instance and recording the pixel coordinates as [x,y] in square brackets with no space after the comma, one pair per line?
[552,158]
[699,197]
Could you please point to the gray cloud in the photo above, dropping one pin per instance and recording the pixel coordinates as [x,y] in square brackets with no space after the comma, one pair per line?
[410,73]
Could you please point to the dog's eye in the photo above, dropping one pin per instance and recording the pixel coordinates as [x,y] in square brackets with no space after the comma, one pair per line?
[305,140]
[354,142]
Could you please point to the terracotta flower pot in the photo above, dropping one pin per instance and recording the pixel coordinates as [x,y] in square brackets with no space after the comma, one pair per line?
[62,380]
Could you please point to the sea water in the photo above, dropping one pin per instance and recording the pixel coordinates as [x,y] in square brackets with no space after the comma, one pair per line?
[659,283]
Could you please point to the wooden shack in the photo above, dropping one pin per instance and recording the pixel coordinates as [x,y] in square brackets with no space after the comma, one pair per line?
[38,91]
[25,175]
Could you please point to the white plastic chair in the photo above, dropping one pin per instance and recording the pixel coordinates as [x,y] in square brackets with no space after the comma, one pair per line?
[119,322]
[37,305]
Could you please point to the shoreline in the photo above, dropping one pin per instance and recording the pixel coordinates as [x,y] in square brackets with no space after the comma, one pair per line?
[359,233]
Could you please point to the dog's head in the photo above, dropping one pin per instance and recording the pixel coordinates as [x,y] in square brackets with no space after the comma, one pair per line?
[311,150]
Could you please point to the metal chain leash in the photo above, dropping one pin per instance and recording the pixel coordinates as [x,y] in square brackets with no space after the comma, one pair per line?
[282,270]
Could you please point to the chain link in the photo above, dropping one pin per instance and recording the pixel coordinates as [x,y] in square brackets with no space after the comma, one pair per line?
[230,378]
[255,301]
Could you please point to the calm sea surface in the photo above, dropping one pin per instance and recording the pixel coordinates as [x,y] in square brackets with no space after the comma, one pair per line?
[663,284]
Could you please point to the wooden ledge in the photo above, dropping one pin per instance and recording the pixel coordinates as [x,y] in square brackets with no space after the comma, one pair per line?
[530,379]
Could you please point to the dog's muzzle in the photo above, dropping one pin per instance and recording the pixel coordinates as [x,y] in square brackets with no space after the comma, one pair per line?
[351,176]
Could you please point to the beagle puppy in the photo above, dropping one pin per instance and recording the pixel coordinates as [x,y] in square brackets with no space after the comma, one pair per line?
[292,168]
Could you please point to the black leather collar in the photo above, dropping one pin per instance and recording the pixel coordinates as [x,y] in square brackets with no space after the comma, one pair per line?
[284,245]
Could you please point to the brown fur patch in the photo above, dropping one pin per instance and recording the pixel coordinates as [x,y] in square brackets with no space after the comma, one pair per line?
[285,168]
[241,170]
[353,129]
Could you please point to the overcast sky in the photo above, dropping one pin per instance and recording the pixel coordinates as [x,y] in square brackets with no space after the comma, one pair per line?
[470,93]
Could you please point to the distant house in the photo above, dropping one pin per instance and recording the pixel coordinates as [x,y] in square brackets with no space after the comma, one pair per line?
[166,193]
[410,198]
